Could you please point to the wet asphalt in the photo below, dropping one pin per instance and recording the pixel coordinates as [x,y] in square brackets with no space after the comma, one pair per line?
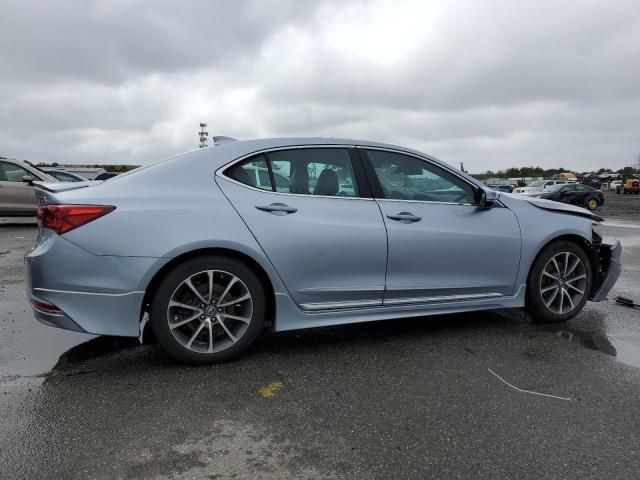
[397,399]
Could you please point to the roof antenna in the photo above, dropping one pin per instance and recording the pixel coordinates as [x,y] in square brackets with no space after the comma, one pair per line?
[203,135]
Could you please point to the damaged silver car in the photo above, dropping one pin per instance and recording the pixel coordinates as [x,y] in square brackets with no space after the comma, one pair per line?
[327,232]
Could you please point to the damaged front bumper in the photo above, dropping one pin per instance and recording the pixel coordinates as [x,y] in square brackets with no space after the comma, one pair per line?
[607,270]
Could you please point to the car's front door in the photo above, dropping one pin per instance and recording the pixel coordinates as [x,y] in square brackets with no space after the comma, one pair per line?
[17,197]
[441,246]
[579,197]
[327,241]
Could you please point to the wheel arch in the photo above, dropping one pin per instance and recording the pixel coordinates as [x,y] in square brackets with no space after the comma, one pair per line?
[250,262]
[580,240]
[585,243]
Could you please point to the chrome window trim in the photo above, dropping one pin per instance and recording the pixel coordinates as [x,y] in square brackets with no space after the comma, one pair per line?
[220,172]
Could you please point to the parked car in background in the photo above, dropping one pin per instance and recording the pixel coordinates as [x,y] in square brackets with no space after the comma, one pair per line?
[614,184]
[17,195]
[90,173]
[106,175]
[359,231]
[64,176]
[539,186]
[593,183]
[575,194]
[501,188]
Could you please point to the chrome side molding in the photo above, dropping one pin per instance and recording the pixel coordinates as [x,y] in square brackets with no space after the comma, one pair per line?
[397,301]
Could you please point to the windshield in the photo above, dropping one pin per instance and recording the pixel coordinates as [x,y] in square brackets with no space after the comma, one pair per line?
[554,188]
[536,184]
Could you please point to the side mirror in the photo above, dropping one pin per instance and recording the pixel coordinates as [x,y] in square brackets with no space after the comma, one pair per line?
[485,198]
[28,179]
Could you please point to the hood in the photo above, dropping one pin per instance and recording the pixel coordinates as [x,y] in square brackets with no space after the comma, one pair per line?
[527,189]
[558,207]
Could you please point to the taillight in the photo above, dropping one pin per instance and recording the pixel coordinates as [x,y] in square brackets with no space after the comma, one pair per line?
[63,218]
[45,307]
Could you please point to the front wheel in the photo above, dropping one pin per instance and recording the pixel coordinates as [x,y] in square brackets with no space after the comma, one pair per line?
[207,310]
[559,283]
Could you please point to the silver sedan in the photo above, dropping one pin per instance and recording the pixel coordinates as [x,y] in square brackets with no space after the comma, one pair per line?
[300,233]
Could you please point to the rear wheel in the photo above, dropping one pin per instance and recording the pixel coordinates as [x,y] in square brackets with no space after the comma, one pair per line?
[592,203]
[559,283]
[207,310]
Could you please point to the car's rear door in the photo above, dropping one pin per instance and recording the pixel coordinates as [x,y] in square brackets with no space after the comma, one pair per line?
[16,196]
[441,246]
[324,237]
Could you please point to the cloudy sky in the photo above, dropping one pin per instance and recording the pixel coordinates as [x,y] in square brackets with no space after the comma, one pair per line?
[491,83]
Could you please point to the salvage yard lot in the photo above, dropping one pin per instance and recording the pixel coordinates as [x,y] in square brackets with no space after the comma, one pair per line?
[397,399]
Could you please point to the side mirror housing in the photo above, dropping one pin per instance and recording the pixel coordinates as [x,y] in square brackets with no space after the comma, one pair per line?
[486,198]
[28,179]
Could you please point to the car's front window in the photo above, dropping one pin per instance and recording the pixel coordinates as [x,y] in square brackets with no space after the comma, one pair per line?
[554,188]
[10,172]
[409,178]
[536,184]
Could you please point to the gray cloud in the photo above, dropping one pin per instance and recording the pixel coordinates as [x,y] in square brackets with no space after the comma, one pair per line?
[494,84]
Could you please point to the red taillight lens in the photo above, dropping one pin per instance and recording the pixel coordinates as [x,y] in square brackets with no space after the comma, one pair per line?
[63,218]
[45,307]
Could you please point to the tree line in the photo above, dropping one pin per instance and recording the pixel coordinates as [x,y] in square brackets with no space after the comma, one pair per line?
[525,172]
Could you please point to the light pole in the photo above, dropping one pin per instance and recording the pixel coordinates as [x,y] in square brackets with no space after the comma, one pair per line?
[203,135]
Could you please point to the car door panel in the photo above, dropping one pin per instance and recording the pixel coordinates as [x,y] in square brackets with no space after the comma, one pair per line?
[330,252]
[441,247]
[454,250]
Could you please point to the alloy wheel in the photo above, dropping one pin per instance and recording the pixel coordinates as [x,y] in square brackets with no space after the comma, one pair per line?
[210,311]
[563,282]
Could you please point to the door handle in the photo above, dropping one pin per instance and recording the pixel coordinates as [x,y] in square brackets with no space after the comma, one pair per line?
[405,217]
[277,208]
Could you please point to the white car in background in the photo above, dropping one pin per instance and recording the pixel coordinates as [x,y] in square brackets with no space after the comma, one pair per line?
[537,187]
[613,185]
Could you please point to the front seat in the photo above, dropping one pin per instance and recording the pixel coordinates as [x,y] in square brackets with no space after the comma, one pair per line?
[299,182]
[328,183]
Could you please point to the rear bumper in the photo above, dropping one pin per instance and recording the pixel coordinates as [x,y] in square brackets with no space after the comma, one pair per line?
[95,294]
[610,269]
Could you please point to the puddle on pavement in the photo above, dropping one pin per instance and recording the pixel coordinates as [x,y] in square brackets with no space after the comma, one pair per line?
[93,348]
[29,350]
[624,347]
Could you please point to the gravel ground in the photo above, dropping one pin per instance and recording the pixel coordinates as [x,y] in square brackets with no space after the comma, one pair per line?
[620,206]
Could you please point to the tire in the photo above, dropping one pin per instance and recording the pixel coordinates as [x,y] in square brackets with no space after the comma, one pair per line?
[592,203]
[537,302]
[225,327]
